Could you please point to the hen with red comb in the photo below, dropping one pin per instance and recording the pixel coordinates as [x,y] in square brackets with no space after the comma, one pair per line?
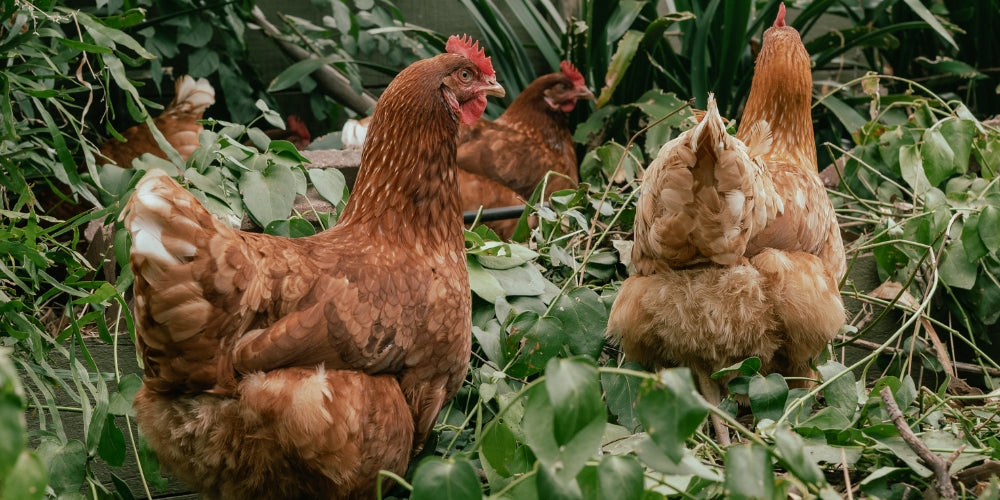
[299,368]
[505,159]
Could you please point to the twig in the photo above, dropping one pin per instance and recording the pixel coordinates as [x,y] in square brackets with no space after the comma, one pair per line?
[936,463]
[959,366]
[336,84]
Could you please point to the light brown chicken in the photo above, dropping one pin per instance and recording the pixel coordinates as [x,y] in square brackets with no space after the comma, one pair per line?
[520,147]
[299,368]
[178,123]
[737,250]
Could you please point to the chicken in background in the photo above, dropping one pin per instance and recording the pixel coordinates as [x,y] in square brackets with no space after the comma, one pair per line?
[737,248]
[519,148]
[353,133]
[300,368]
[178,123]
[295,132]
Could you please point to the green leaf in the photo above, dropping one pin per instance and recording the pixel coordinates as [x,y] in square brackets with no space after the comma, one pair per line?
[620,61]
[584,319]
[748,367]
[295,227]
[912,168]
[534,340]
[67,464]
[295,73]
[525,279]
[975,249]
[508,256]
[925,14]
[27,480]
[959,134]
[12,433]
[575,394]
[499,447]
[622,392]
[843,392]
[990,217]
[121,401]
[791,448]
[937,157]
[748,472]
[851,119]
[268,194]
[539,432]
[552,485]
[111,447]
[440,479]
[203,62]
[671,410]
[620,477]
[955,268]
[767,396]
[483,283]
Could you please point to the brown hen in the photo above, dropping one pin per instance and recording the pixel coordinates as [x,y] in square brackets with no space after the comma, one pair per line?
[299,368]
[737,249]
[178,123]
[519,148]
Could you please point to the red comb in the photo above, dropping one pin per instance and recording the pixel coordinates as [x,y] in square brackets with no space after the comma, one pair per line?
[780,20]
[574,74]
[466,46]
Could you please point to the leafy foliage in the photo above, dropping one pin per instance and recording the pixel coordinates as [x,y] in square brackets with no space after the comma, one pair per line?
[547,410]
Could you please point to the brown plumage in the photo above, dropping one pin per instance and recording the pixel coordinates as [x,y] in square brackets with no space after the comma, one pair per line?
[737,249]
[178,123]
[527,141]
[298,368]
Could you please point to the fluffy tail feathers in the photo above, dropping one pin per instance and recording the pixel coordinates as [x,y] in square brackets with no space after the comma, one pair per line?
[711,193]
[166,222]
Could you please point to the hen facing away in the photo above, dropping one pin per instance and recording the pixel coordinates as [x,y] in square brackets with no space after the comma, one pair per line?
[502,161]
[737,249]
[178,123]
[298,368]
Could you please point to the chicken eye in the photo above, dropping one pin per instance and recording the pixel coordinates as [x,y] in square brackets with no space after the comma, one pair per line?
[465,75]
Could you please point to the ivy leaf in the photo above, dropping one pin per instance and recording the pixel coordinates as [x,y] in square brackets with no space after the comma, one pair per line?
[540,434]
[111,447]
[912,168]
[622,392]
[620,477]
[552,485]
[792,450]
[955,268]
[584,320]
[959,134]
[203,62]
[440,479]
[268,194]
[575,393]
[498,448]
[483,283]
[975,249]
[990,217]
[748,472]
[534,340]
[841,393]
[329,183]
[28,478]
[767,396]
[671,410]
[937,156]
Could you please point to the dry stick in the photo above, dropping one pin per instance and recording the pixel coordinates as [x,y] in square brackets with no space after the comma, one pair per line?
[959,366]
[336,84]
[936,463]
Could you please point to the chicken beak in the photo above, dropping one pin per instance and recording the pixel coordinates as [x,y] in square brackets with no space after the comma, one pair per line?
[493,88]
[584,93]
